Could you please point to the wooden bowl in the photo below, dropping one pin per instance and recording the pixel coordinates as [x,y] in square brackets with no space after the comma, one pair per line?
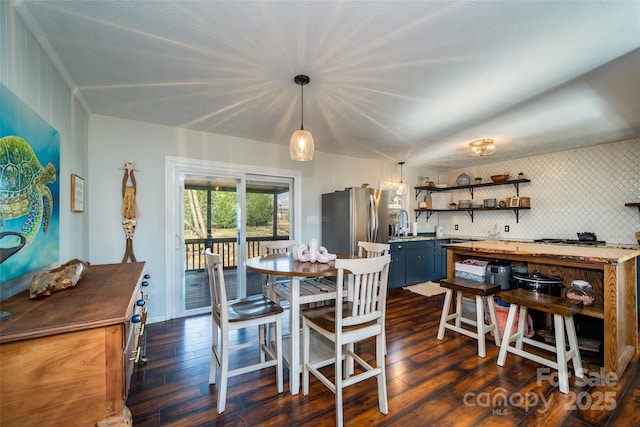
[499,178]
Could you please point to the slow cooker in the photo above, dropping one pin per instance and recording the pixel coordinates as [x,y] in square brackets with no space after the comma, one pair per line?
[537,282]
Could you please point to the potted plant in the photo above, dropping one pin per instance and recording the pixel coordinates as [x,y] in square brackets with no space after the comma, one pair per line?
[521,175]
[477,180]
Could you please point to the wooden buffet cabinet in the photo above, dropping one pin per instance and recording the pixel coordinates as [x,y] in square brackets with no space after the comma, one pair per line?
[67,359]
[611,271]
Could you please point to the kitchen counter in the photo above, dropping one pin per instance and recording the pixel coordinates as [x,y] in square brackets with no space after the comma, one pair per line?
[598,254]
[611,271]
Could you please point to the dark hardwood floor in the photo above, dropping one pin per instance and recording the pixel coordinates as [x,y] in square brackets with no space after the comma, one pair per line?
[429,382]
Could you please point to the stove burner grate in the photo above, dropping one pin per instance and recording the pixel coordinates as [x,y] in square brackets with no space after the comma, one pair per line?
[573,242]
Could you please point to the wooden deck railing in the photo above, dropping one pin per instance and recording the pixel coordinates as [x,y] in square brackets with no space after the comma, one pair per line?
[226,247]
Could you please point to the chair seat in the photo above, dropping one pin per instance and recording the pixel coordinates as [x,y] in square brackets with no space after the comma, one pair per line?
[325,317]
[253,307]
[311,290]
[470,287]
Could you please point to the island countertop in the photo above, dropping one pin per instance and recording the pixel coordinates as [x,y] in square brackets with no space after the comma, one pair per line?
[595,254]
[611,271]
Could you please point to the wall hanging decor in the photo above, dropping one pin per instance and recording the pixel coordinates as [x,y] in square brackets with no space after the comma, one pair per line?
[130,211]
[29,189]
[77,193]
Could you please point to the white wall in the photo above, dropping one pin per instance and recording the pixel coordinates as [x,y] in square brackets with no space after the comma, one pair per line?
[571,191]
[27,71]
[113,141]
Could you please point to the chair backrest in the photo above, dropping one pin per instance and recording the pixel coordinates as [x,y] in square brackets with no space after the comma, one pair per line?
[216,284]
[369,276]
[268,247]
[372,249]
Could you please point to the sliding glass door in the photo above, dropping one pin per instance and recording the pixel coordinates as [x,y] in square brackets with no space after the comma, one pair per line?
[229,212]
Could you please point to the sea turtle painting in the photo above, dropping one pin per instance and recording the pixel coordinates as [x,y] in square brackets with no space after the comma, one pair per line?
[23,187]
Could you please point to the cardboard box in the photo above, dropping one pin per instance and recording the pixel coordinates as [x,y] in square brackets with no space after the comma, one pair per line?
[472,269]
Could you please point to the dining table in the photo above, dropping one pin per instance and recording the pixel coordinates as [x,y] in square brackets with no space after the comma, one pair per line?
[286,265]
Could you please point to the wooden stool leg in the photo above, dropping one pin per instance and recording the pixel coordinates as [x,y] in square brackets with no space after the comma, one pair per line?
[507,336]
[458,308]
[445,313]
[522,323]
[482,350]
[561,355]
[573,346]
[494,321]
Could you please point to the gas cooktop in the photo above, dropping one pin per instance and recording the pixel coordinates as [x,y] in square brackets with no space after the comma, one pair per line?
[573,242]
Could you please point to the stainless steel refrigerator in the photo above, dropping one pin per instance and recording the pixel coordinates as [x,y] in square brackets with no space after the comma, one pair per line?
[352,215]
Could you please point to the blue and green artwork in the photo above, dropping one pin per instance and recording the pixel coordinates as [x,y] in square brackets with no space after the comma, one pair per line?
[29,189]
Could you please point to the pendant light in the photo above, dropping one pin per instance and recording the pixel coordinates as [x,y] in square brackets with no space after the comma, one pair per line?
[301,144]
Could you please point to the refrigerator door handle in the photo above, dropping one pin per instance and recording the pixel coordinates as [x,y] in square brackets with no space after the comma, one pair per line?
[373,215]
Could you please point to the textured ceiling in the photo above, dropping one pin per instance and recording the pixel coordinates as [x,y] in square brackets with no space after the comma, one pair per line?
[394,80]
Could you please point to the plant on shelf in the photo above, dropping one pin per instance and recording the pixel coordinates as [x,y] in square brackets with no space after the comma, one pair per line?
[521,175]
[478,179]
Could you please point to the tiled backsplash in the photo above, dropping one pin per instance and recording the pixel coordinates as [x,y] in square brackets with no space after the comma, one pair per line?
[571,191]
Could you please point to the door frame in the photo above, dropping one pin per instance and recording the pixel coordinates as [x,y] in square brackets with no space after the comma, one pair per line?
[175,170]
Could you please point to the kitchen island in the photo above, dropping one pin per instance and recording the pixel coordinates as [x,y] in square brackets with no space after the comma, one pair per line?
[611,271]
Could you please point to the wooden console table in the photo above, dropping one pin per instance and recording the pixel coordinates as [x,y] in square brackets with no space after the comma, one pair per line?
[611,271]
[67,359]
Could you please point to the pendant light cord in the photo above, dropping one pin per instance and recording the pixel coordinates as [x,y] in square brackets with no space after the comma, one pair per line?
[301,107]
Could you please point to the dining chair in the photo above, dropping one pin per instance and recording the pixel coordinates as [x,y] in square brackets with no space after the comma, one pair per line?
[268,247]
[227,316]
[372,250]
[347,322]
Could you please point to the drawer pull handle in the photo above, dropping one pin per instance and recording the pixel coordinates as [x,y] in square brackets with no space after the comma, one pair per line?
[147,276]
[136,318]
[145,283]
[140,303]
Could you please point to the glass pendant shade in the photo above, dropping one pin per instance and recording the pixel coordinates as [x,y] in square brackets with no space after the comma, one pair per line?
[301,146]
[482,147]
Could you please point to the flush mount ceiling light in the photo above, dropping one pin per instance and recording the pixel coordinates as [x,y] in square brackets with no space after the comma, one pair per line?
[482,147]
[301,144]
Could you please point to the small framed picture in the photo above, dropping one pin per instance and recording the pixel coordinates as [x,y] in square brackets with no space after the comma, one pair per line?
[514,202]
[77,193]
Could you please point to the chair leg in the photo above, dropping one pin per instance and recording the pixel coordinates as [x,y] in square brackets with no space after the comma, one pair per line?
[279,375]
[507,336]
[305,357]
[445,313]
[224,370]
[383,404]
[482,351]
[262,340]
[213,365]
[338,383]
[573,345]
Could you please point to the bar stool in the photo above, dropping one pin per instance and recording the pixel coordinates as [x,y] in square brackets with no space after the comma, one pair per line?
[483,292]
[561,308]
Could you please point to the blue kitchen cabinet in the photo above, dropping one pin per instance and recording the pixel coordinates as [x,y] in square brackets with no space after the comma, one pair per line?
[397,266]
[440,260]
[419,266]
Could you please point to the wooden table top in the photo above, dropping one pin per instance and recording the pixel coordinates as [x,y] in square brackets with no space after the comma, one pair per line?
[285,265]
